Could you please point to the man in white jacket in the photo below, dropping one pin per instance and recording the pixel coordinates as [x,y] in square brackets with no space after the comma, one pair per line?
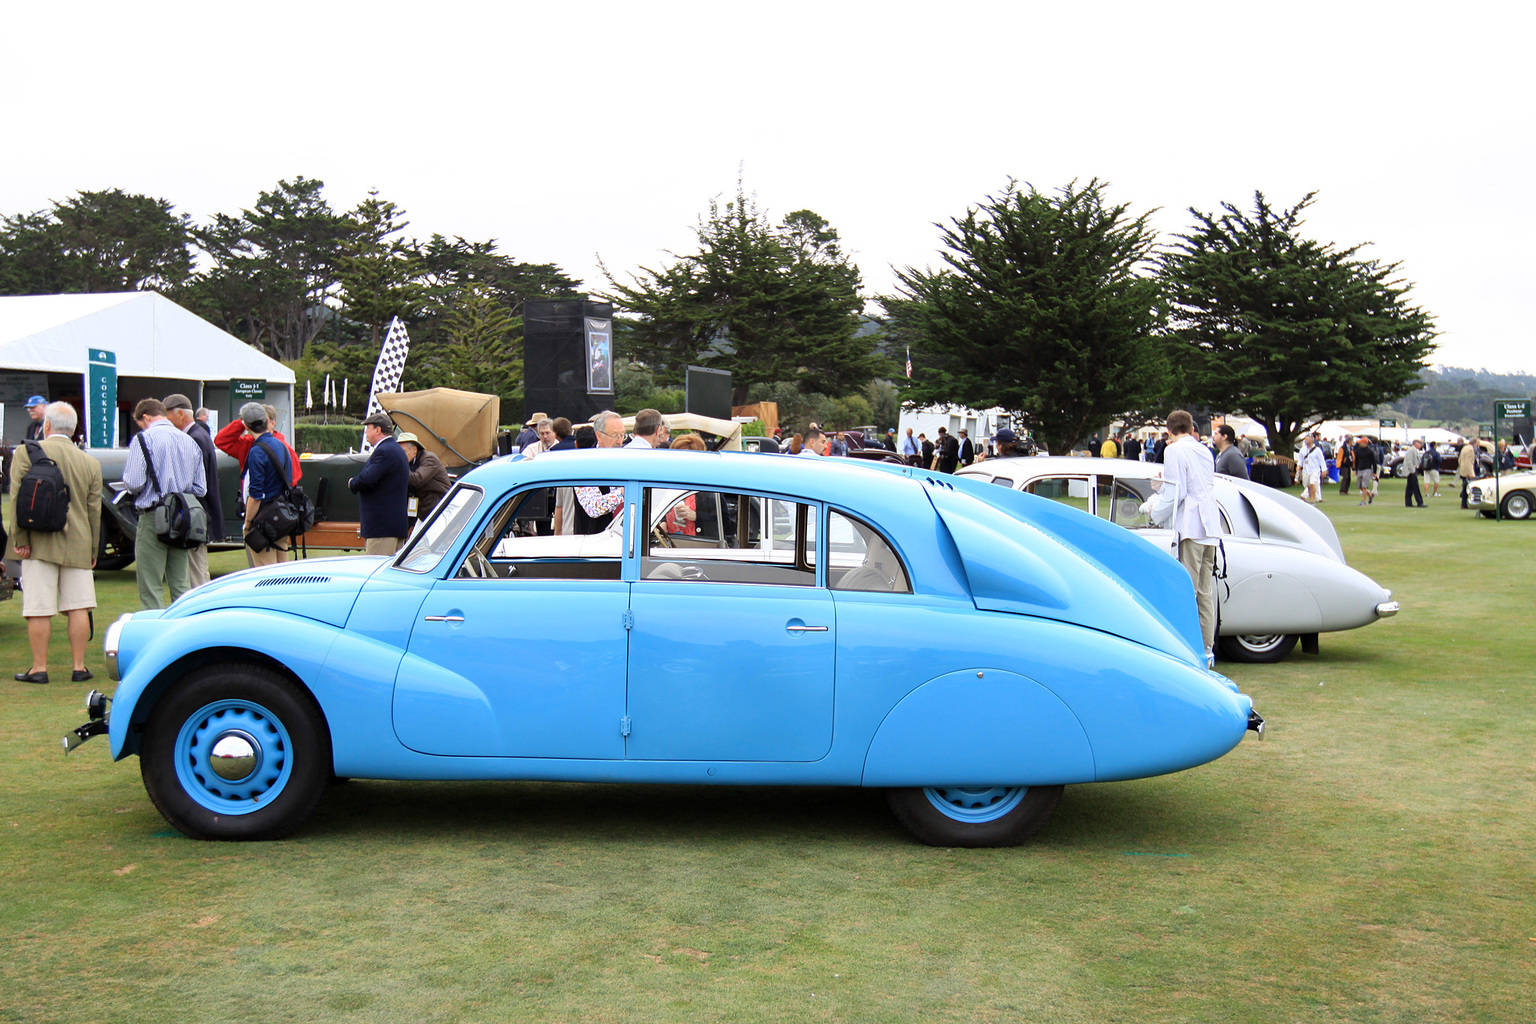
[1188,475]
[1314,467]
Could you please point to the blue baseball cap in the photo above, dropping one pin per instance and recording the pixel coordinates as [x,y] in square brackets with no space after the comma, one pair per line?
[36,400]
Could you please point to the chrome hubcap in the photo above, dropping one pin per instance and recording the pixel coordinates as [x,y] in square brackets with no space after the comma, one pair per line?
[234,756]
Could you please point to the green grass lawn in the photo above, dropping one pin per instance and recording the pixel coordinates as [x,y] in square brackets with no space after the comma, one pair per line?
[1371,860]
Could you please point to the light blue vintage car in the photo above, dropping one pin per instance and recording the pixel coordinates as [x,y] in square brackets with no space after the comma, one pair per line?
[737,619]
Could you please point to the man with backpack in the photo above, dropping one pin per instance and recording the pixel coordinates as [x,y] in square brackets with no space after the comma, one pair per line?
[57,528]
[269,474]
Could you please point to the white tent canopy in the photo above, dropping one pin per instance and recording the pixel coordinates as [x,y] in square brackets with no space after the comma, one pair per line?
[152,336]
[159,347]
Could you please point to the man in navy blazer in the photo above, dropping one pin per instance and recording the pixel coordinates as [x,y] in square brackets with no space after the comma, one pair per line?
[382,489]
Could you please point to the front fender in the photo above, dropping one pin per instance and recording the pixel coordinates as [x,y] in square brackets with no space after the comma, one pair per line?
[159,651]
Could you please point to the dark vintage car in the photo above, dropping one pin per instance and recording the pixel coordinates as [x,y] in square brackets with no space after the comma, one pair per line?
[1448,454]
[324,480]
[459,426]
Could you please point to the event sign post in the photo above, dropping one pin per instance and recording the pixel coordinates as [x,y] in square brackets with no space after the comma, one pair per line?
[101,399]
[1505,409]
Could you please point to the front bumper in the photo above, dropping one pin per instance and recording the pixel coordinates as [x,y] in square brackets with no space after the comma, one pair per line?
[98,714]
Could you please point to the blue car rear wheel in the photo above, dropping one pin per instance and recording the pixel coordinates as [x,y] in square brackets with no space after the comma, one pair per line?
[975,804]
[973,815]
[235,752]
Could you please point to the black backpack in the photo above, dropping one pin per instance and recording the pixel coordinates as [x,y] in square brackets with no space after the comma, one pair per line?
[42,500]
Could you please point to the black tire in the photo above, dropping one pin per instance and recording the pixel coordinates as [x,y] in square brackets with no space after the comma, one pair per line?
[1255,649]
[973,816]
[1517,505]
[115,550]
[238,707]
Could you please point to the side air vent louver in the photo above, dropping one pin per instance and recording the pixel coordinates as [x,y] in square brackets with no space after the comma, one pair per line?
[284,580]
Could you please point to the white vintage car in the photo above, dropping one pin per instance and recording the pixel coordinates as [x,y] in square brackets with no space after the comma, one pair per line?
[1512,495]
[1285,575]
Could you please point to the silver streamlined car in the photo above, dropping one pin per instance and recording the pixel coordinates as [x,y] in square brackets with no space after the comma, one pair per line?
[1285,575]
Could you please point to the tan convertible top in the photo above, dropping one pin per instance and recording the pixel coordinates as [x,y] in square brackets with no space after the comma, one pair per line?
[458,426]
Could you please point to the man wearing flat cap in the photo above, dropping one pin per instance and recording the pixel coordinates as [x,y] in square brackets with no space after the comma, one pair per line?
[178,409]
[382,489]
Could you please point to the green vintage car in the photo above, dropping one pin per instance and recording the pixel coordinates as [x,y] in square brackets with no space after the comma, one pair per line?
[1511,495]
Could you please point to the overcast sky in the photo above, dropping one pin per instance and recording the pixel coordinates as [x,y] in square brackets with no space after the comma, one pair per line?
[574,131]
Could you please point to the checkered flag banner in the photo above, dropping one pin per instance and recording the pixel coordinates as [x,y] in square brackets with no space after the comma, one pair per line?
[386,375]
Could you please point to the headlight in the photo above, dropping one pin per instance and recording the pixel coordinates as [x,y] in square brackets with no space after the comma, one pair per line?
[110,643]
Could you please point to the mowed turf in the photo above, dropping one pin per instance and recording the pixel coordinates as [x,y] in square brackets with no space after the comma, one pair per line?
[1369,860]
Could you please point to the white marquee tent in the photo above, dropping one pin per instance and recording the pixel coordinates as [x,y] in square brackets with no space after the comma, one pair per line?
[160,348]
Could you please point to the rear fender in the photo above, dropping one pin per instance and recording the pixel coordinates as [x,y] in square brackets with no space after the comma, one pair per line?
[980,726]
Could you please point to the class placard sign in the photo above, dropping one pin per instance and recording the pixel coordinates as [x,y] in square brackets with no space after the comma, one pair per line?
[247,390]
[1386,424]
[1512,409]
[101,399]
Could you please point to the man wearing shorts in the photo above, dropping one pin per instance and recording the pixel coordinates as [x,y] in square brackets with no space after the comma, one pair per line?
[1365,470]
[56,566]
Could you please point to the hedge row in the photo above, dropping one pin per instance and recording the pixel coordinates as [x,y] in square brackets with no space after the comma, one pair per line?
[326,438]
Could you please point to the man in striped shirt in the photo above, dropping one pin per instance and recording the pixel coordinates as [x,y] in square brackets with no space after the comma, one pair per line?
[178,466]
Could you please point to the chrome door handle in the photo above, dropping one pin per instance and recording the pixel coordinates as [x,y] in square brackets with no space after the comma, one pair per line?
[443,618]
[806,629]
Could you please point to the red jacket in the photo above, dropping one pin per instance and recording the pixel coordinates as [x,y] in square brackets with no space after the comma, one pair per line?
[233,440]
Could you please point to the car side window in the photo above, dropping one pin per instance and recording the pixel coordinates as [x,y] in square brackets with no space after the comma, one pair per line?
[520,540]
[1149,504]
[1133,503]
[722,537]
[1069,490]
[441,532]
[860,558]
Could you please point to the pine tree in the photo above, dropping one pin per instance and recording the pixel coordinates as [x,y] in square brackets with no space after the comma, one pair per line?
[770,303]
[1285,329]
[1042,309]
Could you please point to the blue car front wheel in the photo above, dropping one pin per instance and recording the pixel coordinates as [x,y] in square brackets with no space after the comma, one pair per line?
[973,815]
[235,752]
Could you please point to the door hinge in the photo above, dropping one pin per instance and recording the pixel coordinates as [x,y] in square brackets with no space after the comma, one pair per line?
[624,726]
[629,619]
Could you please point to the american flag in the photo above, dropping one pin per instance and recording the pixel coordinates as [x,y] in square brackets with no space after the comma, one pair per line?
[909,362]
[386,375]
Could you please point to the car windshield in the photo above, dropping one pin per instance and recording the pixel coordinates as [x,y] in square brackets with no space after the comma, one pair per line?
[439,533]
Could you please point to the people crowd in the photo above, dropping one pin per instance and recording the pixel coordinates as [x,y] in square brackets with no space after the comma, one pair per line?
[402,481]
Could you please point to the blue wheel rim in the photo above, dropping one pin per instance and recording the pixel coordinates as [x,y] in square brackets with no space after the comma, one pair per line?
[975,804]
[253,723]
